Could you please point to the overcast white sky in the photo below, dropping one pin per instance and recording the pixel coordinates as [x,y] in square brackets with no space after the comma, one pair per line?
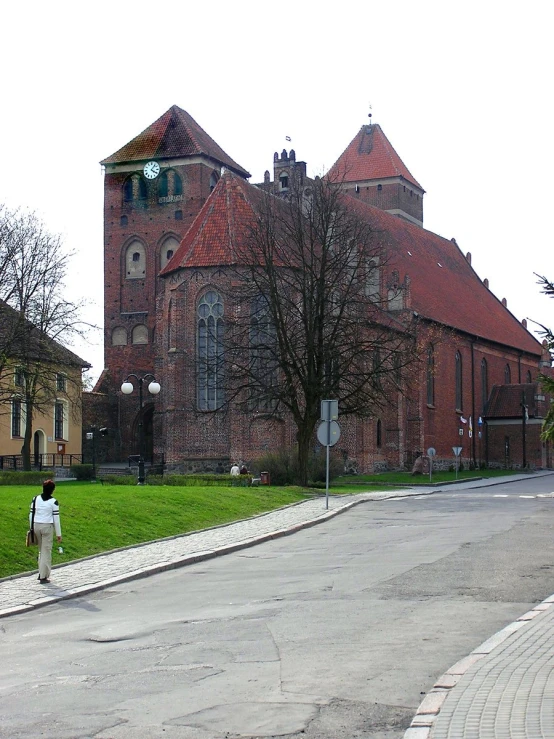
[462,90]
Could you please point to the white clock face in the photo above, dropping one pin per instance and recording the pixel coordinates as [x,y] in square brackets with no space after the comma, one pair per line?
[151,170]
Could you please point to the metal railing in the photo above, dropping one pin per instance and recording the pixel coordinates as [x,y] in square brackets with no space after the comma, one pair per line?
[39,461]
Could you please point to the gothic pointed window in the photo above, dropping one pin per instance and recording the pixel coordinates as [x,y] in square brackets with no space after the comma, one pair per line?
[458,362]
[263,378]
[167,250]
[430,376]
[529,377]
[128,189]
[214,177]
[163,186]
[484,384]
[210,351]
[135,261]
[507,375]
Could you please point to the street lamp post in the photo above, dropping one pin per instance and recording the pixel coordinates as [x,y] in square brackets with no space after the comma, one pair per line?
[153,388]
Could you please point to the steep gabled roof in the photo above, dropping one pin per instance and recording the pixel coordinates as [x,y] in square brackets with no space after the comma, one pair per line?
[220,228]
[443,287]
[370,156]
[505,401]
[174,134]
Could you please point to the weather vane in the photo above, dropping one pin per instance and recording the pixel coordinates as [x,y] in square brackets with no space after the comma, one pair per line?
[370,114]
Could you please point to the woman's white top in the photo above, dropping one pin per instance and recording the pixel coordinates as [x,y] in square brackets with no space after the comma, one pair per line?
[47,511]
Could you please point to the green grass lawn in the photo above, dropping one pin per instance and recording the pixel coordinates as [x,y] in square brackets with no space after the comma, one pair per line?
[406,478]
[96,518]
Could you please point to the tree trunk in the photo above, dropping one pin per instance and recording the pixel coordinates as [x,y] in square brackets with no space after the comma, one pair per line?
[304,438]
[26,448]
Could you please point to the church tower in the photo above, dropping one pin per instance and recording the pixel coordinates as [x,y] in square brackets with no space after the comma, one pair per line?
[371,170]
[154,187]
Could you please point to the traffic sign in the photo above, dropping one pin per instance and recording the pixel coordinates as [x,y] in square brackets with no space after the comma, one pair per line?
[457,450]
[431,451]
[328,433]
[329,410]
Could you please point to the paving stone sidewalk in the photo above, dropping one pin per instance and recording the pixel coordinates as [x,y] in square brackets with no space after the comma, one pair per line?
[24,593]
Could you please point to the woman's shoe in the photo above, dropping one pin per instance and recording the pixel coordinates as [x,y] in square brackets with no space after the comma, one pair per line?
[43,580]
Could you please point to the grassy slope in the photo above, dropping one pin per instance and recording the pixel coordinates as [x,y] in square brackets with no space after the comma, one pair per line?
[96,518]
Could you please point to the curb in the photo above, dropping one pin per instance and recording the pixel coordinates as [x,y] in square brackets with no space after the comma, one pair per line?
[430,707]
[173,564]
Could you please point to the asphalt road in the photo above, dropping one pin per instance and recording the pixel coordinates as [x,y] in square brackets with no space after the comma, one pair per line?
[336,632]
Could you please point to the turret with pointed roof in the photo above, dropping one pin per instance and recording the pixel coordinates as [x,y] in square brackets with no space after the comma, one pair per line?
[372,170]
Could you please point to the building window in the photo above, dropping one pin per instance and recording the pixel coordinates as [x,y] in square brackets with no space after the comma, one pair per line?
[529,377]
[59,418]
[262,349]
[135,261]
[210,351]
[16,417]
[139,334]
[379,434]
[163,185]
[61,383]
[119,336]
[507,375]
[283,181]
[214,178]
[134,188]
[123,220]
[430,376]
[379,187]
[170,186]
[458,381]
[484,384]
[178,215]
[168,249]
[18,377]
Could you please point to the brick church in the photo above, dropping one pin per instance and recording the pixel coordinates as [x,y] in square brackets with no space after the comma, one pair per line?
[176,207]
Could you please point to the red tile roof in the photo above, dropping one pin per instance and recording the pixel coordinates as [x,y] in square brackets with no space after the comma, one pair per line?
[444,288]
[220,228]
[505,401]
[370,156]
[174,134]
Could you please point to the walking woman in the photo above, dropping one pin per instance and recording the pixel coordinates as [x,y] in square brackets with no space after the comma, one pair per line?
[44,517]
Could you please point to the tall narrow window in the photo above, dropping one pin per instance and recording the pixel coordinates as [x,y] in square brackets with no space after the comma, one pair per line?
[430,376]
[61,382]
[163,185]
[529,376]
[214,177]
[379,433]
[58,420]
[507,375]
[135,261]
[484,384]
[16,417]
[18,377]
[458,381]
[263,351]
[210,351]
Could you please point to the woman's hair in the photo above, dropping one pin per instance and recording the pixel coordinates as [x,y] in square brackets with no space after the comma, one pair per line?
[48,487]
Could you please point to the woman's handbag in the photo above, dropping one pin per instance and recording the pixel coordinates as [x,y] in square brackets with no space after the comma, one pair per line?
[31,538]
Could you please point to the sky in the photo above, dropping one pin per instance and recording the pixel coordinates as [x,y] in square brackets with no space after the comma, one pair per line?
[462,91]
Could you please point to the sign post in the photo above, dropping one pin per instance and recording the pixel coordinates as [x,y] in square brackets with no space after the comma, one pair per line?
[431,453]
[457,451]
[328,433]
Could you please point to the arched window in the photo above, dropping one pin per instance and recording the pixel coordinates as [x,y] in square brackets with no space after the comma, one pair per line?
[214,178]
[163,185]
[177,184]
[507,375]
[134,188]
[262,348]
[135,261]
[484,383]
[529,376]
[119,336]
[430,376]
[459,398]
[139,334]
[168,249]
[379,433]
[210,351]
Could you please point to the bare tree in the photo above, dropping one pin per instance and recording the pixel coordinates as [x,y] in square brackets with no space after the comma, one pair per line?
[36,320]
[310,322]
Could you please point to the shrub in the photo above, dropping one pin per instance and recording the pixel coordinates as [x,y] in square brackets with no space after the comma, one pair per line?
[81,471]
[36,477]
